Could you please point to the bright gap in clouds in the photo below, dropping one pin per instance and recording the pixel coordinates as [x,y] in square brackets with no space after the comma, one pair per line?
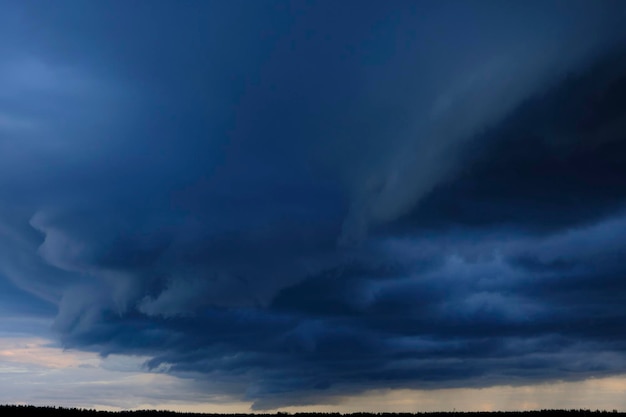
[35,371]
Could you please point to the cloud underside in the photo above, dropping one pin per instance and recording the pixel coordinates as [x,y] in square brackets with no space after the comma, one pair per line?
[316,232]
[510,272]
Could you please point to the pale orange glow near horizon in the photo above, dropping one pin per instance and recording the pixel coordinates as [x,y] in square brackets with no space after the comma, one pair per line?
[34,372]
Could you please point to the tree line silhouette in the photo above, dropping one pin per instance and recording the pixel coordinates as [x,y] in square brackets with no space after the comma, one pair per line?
[83,412]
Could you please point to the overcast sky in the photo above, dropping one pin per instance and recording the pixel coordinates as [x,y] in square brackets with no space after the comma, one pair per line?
[326,205]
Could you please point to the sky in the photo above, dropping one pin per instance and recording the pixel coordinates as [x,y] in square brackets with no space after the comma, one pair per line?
[323,205]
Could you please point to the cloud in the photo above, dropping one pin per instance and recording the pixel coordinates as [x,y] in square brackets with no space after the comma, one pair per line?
[181,297]
[553,164]
[304,209]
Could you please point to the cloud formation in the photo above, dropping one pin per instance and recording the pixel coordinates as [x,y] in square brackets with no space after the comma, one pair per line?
[304,202]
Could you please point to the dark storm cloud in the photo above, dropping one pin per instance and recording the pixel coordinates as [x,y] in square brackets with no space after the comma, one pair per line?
[556,162]
[304,200]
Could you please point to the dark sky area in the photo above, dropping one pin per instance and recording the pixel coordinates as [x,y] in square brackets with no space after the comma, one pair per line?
[292,201]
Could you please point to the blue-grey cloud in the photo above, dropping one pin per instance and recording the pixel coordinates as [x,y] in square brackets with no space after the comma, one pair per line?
[305,200]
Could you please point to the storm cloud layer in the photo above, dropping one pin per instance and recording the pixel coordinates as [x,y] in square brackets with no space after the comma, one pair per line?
[287,202]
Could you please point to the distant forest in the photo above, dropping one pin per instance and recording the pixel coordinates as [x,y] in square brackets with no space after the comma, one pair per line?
[62,412]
